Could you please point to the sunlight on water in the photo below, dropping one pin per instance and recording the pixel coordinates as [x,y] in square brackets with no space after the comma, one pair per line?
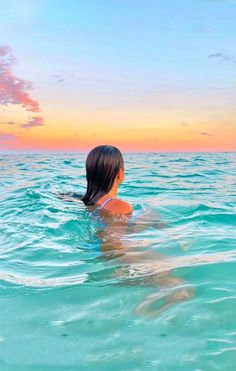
[153,292]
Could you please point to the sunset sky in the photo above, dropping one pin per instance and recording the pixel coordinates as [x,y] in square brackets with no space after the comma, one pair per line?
[154,75]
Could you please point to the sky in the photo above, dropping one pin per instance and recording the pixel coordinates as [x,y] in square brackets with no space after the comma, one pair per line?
[153,75]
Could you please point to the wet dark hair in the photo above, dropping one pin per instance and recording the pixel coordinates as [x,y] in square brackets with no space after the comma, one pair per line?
[102,166]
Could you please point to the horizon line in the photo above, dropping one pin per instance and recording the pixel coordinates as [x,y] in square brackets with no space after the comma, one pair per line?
[35,152]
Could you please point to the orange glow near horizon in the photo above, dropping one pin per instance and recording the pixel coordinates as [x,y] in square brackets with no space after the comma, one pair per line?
[142,138]
[154,126]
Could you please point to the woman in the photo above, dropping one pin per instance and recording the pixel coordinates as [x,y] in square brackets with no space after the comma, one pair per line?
[105,172]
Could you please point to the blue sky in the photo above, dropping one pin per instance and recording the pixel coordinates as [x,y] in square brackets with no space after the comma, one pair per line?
[128,38]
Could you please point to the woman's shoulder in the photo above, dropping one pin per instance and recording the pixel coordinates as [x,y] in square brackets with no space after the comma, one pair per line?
[118,206]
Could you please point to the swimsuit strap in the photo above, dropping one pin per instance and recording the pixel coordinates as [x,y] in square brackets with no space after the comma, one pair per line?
[104,203]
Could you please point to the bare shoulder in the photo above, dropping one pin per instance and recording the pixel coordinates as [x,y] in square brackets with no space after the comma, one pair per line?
[118,206]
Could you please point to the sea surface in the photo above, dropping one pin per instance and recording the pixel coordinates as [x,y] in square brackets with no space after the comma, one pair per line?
[156,293]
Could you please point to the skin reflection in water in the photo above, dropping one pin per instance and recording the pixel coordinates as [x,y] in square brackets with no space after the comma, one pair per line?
[139,265]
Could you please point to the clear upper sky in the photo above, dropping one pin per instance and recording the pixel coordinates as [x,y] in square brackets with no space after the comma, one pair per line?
[142,75]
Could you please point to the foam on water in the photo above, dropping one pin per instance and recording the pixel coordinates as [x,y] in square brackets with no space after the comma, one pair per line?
[158,293]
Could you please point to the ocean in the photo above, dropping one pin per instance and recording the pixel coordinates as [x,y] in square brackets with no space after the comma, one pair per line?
[157,294]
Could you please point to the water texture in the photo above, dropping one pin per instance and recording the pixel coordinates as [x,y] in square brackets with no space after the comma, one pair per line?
[66,305]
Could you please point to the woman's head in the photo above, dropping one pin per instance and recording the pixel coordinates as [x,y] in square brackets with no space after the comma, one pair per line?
[104,167]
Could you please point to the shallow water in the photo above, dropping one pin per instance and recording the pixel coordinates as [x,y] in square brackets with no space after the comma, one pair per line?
[65,305]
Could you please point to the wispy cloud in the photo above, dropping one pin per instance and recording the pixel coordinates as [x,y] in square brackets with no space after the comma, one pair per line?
[67,76]
[205,133]
[184,123]
[223,57]
[58,78]
[61,77]
[7,137]
[32,122]
[11,123]
[14,90]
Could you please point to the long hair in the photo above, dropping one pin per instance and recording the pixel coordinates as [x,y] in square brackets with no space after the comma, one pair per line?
[102,166]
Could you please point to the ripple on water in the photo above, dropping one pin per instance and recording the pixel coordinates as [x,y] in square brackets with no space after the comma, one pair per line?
[58,292]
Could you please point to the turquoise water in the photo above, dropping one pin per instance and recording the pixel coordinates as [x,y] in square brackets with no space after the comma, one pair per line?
[67,304]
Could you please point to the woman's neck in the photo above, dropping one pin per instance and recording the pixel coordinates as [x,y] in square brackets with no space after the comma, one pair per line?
[113,191]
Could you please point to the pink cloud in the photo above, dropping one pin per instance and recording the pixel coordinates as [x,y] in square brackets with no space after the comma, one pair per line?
[32,122]
[14,90]
[6,137]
